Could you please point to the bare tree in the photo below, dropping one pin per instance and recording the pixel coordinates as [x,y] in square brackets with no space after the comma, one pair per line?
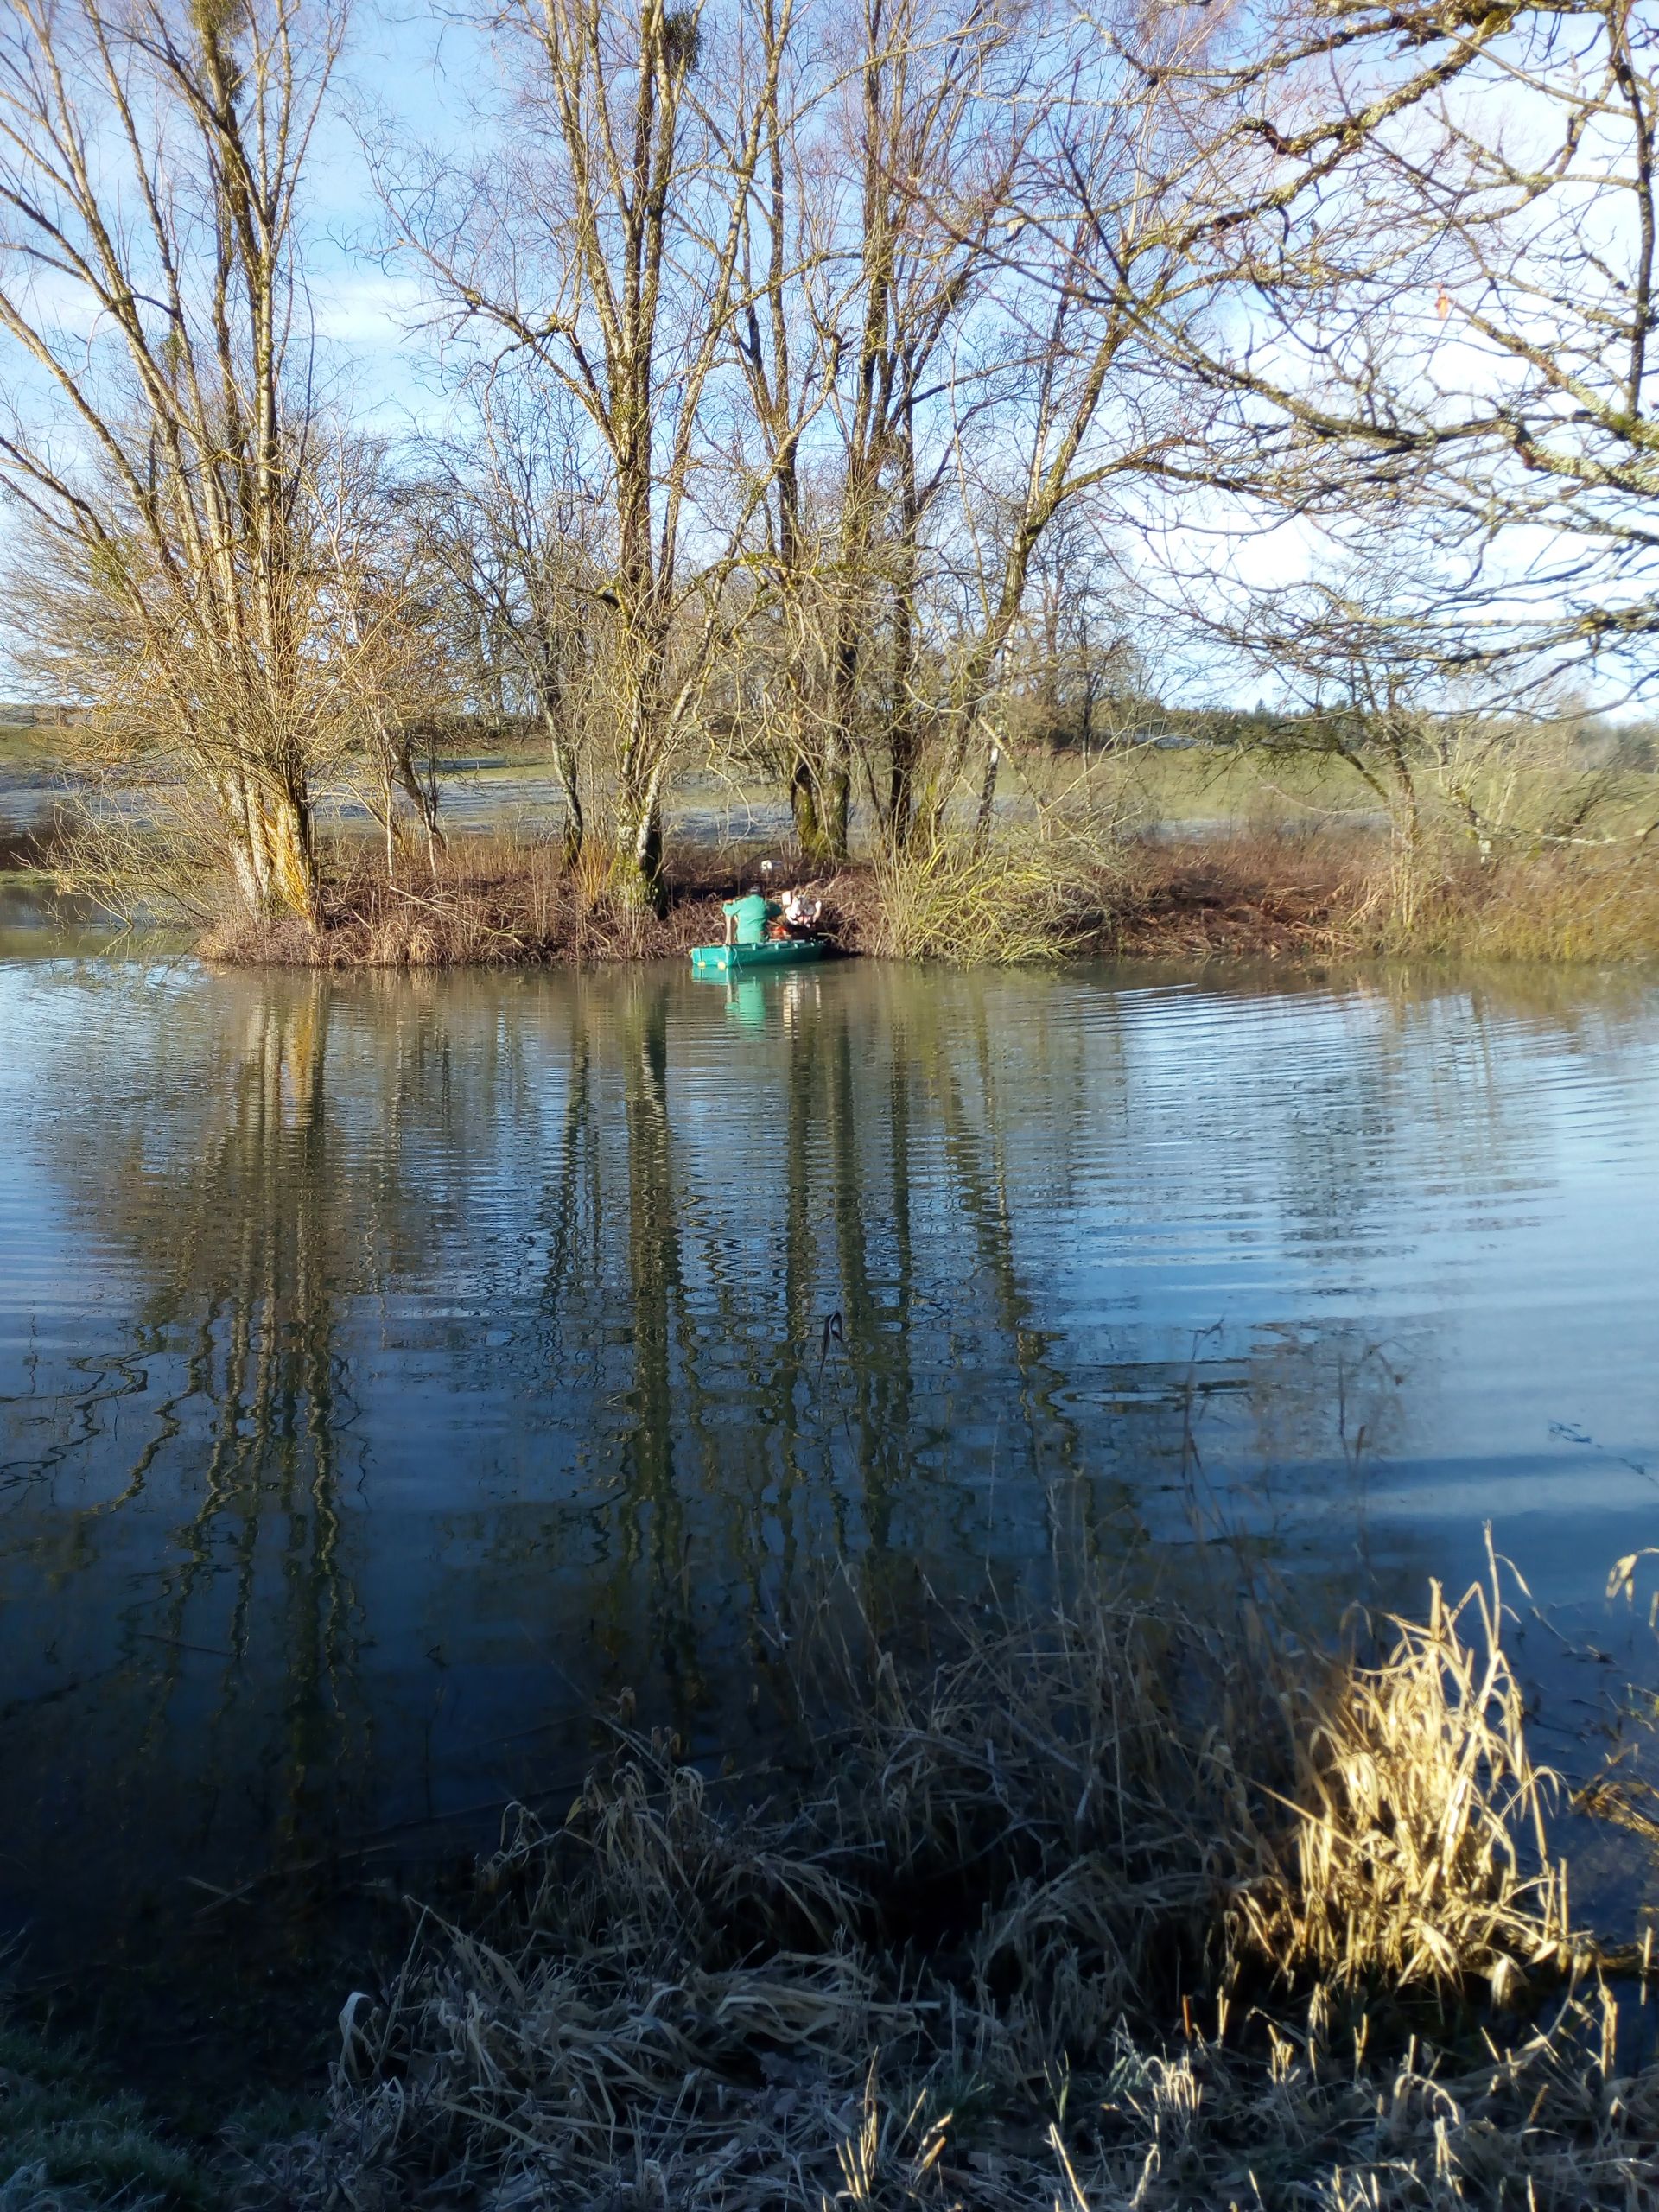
[1075,659]
[788,359]
[930,128]
[510,528]
[1119,258]
[853,298]
[157,427]
[388,639]
[602,238]
[1459,347]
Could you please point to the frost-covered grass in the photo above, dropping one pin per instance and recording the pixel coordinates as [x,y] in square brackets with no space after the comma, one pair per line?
[1125,1904]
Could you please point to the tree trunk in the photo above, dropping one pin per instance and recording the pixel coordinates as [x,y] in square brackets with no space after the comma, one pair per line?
[295,885]
[987,799]
[901,729]
[901,787]
[564,767]
[834,798]
[424,797]
[272,850]
[834,766]
[637,867]
[804,804]
[973,686]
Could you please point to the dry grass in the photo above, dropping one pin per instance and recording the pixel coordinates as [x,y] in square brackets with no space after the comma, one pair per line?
[1323,894]
[1132,1903]
[1599,907]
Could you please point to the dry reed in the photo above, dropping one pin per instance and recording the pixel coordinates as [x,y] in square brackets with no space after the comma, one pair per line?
[1416,1799]
[1322,894]
[1125,1904]
[1595,906]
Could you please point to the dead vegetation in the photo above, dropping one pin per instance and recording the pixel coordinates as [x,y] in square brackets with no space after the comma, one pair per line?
[1297,893]
[512,898]
[1134,1904]
[1247,893]
[502,900]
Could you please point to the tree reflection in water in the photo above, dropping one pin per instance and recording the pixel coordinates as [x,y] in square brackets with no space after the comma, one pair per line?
[396,1368]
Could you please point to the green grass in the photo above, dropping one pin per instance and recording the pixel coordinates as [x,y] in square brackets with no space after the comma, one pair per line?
[30,748]
[1197,784]
[1151,785]
[497,767]
[68,2140]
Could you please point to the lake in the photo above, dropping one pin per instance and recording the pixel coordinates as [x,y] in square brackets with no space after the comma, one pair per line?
[395,1370]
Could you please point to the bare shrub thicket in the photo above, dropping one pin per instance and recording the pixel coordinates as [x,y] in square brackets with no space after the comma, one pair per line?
[507,899]
[1473,785]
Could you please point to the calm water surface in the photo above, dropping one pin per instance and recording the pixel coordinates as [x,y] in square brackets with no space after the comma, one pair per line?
[391,1369]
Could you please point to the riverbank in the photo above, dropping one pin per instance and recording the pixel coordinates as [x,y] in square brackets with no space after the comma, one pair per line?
[1250,894]
[504,900]
[1144,1900]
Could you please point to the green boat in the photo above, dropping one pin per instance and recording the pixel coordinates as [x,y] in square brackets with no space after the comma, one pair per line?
[749,959]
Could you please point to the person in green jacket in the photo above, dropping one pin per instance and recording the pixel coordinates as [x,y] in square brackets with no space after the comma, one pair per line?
[747,917]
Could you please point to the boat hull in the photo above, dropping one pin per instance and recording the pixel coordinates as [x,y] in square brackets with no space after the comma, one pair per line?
[755,959]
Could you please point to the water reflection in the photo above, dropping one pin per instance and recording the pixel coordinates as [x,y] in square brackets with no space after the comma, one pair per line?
[391,1368]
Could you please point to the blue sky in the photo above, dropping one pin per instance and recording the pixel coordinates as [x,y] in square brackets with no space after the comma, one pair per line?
[410,73]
